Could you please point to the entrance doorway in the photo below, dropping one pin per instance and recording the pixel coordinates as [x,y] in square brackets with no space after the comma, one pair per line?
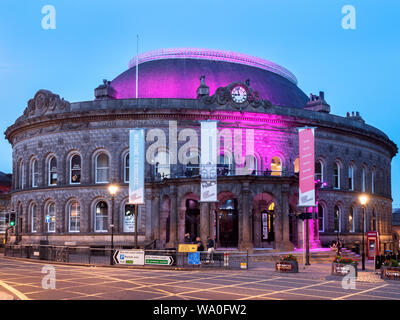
[268,220]
[192,218]
[227,224]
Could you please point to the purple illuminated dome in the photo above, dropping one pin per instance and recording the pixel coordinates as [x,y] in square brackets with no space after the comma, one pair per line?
[175,73]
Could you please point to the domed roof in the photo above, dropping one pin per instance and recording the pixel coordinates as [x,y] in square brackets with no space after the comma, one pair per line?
[175,73]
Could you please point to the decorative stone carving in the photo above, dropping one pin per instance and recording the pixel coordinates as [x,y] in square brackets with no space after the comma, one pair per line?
[45,102]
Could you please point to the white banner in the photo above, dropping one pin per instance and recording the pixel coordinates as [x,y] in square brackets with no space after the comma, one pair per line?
[136,166]
[208,161]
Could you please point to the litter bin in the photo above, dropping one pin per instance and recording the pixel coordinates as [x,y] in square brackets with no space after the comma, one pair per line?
[43,249]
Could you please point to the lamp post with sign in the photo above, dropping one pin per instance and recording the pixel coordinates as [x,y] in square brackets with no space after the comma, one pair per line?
[113,188]
[363,200]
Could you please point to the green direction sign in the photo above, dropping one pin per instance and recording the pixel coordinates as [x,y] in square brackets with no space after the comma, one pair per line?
[159,260]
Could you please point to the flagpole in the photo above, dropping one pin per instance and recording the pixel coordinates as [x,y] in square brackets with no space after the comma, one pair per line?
[137,64]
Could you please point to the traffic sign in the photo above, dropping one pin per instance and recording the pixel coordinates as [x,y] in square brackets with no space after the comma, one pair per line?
[133,257]
[159,260]
[194,257]
[187,248]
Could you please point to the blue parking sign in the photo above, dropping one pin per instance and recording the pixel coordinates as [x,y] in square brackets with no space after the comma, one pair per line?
[194,257]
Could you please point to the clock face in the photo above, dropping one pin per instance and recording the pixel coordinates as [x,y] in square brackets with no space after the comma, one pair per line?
[239,94]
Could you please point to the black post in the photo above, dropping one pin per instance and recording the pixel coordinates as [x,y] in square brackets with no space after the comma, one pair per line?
[307,240]
[112,231]
[136,228]
[363,245]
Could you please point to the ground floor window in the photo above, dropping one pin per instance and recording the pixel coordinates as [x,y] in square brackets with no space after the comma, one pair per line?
[129,218]
[101,217]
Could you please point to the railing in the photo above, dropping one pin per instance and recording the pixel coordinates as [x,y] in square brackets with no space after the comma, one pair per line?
[103,256]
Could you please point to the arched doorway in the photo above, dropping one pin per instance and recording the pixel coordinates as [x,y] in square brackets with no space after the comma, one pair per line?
[263,220]
[268,220]
[227,223]
[192,218]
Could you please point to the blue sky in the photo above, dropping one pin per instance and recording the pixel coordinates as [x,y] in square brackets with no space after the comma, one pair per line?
[95,39]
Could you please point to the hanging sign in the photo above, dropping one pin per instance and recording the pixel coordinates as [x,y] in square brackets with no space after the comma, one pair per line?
[307,167]
[136,166]
[208,161]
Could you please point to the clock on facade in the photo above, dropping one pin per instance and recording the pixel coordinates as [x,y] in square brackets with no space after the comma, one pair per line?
[239,94]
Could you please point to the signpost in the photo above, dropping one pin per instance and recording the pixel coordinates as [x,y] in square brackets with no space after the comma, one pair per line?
[159,260]
[194,258]
[132,257]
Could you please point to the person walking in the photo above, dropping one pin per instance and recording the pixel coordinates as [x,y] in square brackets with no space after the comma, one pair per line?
[210,249]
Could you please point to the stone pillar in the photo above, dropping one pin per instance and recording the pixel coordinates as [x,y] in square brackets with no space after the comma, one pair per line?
[212,216]
[245,242]
[204,221]
[149,231]
[181,224]
[286,245]
[173,221]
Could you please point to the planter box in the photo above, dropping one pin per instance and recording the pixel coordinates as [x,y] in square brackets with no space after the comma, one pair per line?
[343,269]
[390,273]
[287,266]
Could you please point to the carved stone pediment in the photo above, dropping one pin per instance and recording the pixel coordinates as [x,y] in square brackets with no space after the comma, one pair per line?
[223,97]
[45,102]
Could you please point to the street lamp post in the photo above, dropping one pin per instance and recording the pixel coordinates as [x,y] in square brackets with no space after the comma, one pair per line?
[113,188]
[363,200]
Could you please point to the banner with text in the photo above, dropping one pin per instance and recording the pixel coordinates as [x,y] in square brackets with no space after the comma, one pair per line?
[307,167]
[208,161]
[136,166]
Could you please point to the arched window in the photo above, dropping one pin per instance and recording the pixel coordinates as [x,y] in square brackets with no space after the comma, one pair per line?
[52,167]
[75,169]
[363,179]
[320,218]
[351,177]
[126,168]
[162,167]
[373,220]
[51,217]
[352,225]
[74,216]
[373,180]
[34,173]
[225,165]
[319,171]
[101,217]
[21,174]
[102,168]
[336,175]
[33,213]
[336,219]
[193,165]
[276,166]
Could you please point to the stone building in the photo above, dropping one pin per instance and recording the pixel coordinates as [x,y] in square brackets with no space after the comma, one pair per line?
[66,154]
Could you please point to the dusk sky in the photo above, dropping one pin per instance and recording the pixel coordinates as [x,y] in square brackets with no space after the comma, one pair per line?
[94,40]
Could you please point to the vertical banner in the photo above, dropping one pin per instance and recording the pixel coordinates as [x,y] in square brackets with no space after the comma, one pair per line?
[307,167]
[208,161]
[136,166]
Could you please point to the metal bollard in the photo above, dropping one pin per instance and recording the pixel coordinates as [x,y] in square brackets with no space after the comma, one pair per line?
[226,259]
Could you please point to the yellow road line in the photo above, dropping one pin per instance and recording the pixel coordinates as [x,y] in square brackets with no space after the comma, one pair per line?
[19,294]
[360,292]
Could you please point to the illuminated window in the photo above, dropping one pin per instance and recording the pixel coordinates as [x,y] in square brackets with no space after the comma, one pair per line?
[336,219]
[33,218]
[352,225]
[276,166]
[75,169]
[319,171]
[297,165]
[162,164]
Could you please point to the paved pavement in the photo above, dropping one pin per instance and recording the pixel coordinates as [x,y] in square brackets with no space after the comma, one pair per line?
[32,280]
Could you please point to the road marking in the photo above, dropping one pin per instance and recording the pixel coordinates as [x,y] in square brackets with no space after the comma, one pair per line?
[14,291]
[360,292]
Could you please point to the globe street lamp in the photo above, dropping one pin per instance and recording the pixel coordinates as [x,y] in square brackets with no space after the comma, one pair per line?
[363,200]
[112,189]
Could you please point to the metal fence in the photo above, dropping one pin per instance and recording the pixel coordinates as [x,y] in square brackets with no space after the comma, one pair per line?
[104,256]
